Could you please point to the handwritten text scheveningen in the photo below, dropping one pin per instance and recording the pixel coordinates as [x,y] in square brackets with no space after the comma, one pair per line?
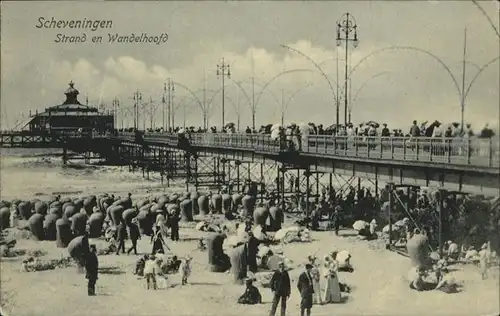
[93,25]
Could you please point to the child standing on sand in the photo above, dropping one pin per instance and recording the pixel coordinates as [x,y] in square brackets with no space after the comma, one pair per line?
[186,269]
[150,272]
[484,256]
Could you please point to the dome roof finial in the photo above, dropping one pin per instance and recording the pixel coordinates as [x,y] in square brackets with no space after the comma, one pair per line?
[71,94]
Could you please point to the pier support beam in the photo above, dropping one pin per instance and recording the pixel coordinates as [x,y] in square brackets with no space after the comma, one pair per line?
[283,171]
[307,174]
[261,182]
[391,203]
[196,184]
[238,184]
[439,208]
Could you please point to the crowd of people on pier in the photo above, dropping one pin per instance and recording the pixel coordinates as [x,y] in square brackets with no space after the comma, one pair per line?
[366,129]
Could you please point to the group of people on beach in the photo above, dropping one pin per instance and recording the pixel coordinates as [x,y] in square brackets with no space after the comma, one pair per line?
[317,284]
[153,266]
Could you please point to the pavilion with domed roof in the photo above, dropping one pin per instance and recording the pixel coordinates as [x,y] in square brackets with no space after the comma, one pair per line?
[71,115]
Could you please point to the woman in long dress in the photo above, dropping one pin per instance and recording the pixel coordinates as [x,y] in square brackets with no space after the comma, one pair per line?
[159,231]
[157,241]
[316,276]
[332,288]
[161,223]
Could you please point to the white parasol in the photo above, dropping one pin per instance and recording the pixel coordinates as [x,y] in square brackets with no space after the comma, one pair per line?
[287,235]
[395,228]
[275,134]
[342,258]
[304,128]
[360,225]
[200,226]
[259,234]
[280,234]
[181,131]
[263,250]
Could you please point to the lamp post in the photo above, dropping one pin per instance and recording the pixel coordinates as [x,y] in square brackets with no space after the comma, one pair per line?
[345,27]
[137,101]
[223,70]
[116,105]
[168,87]
[163,105]
[462,101]
[152,107]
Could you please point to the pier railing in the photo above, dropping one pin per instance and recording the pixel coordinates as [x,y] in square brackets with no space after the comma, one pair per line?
[481,152]
[258,142]
[67,134]
[461,151]
[484,152]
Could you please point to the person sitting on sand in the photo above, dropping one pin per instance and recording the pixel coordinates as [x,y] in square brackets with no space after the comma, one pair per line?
[172,265]
[201,244]
[472,255]
[28,265]
[418,283]
[139,265]
[264,258]
[447,283]
[440,268]
[343,259]
[252,295]
[438,272]
[368,232]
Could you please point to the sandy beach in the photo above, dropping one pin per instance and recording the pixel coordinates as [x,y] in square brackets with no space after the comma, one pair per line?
[378,282]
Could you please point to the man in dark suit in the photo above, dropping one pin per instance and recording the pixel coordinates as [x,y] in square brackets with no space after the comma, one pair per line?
[253,249]
[173,221]
[280,285]
[121,236]
[91,267]
[305,286]
[134,234]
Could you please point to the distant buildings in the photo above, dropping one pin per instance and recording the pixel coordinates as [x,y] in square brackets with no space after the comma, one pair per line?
[71,116]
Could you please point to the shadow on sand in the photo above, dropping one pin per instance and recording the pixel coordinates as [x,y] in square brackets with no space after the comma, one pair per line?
[348,234]
[344,299]
[111,270]
[205,283]
[189,239]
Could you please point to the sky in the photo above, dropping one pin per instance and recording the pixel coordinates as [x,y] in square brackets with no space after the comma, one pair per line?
[399,72]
